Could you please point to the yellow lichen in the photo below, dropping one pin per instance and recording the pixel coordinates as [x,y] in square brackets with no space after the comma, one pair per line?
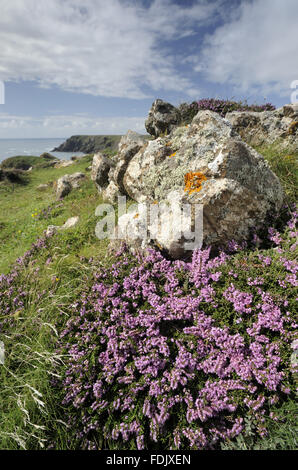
[193,181]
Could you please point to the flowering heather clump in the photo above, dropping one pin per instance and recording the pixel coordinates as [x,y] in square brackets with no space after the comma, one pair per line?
[172,355]
[227,106]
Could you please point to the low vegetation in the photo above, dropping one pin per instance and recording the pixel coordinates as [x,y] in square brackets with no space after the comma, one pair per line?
[109,351]
[223,107]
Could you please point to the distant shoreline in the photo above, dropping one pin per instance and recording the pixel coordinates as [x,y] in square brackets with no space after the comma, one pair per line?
[32,147]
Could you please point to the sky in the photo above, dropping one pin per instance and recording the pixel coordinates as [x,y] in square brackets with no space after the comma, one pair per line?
[95,66]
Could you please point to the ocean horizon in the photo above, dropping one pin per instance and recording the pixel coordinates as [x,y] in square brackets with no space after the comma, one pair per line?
[35,147]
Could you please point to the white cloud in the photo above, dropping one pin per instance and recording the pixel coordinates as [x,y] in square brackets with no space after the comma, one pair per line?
[13,126]
[256,50]
[113,48]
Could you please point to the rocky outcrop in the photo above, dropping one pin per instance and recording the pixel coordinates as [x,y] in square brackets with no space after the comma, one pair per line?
[89,143]
[129,145]
[111,192]
[67,183]
[162,119]
[278,127]
[70,223]
[205,163]
[108,174]
[27,162]
[101,167]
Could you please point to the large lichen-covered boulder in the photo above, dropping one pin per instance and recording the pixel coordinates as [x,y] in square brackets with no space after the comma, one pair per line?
[101,166]
[206,163]
[162,119]
[111,192]
[67,183]
[278,127]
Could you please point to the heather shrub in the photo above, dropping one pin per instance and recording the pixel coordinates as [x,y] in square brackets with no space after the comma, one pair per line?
[223,107]
[27,334]
[166,354]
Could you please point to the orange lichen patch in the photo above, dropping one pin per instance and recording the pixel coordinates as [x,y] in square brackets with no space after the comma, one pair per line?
[173,154]
[136,216]
[193,181]
[289,158]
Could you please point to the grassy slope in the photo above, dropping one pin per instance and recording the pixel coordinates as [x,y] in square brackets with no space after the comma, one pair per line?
[27,406]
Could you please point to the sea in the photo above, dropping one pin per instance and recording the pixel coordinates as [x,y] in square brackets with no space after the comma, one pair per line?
[35,147]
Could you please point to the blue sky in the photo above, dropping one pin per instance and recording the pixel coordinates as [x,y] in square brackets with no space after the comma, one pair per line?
[95,67]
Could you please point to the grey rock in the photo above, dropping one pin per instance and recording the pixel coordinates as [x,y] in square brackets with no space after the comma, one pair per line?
[76,179]
[111,192]
[51,230]
[64,163]
[75,158]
